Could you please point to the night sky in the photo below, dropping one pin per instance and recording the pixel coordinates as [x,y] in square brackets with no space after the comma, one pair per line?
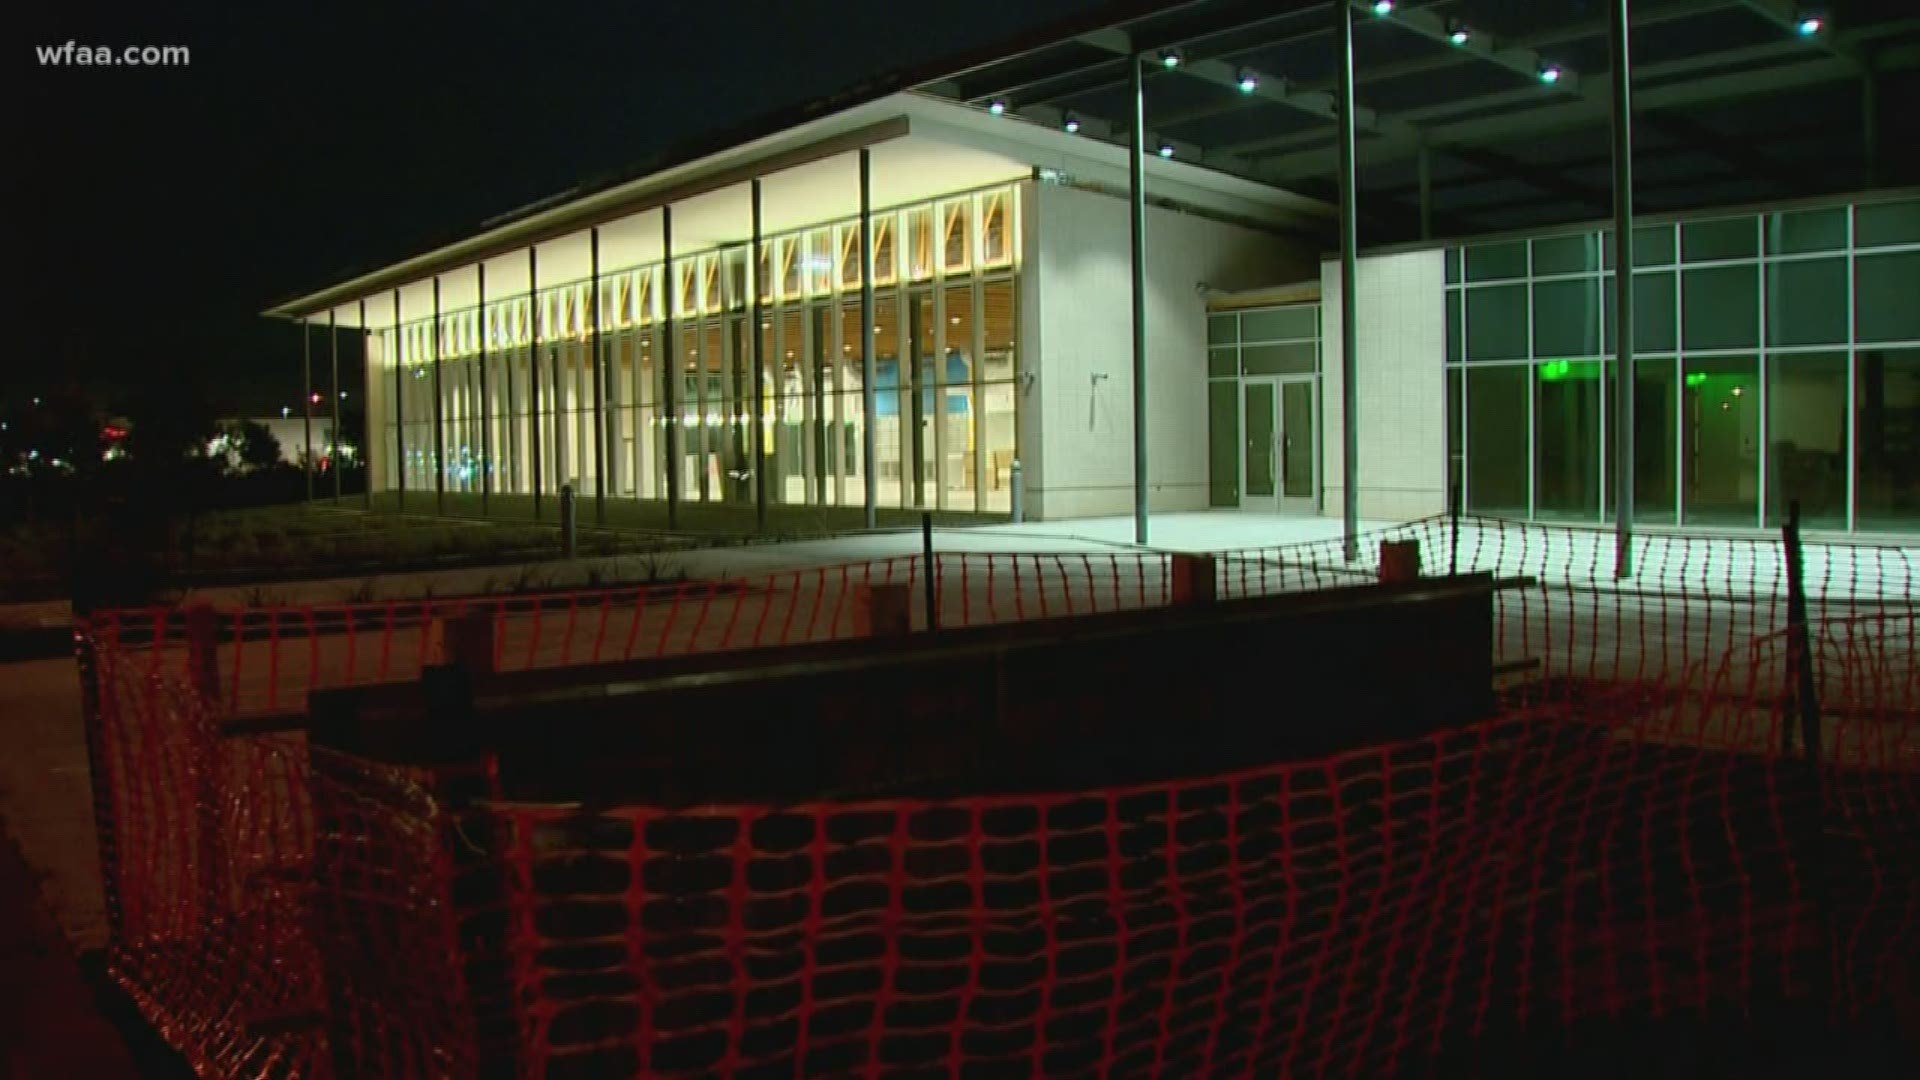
[158,210]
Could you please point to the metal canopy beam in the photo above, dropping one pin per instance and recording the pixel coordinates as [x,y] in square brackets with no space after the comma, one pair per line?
[1559,117]
[1513,56]
[1544,178]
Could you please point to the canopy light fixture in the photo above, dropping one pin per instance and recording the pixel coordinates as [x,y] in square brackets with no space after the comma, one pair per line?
[997,107]
[1170,58]
[1166,150]
[1809,24]
[1072,124]
[1458,33]
[1383,8]
[1248,82]
[1549,74]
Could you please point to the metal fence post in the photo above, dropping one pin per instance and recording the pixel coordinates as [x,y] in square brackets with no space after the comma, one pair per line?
[929,570]
[1017,485]
[569,525]
[1806,696]
[106,818]
[1453,541]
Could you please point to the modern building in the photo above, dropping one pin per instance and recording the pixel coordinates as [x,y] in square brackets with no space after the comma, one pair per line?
[936,293]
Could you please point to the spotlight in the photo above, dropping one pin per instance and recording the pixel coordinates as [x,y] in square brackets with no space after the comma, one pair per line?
[997,107]
[1549,74]
[1166,150]
[1810,25]
[1383,8]
[1249,82]
[1170,59]
[1459,34]
[1072,124]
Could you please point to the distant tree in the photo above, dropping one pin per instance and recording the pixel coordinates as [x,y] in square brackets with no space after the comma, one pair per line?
[253,445]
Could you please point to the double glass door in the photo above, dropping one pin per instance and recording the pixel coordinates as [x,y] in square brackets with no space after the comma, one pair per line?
[1279,467]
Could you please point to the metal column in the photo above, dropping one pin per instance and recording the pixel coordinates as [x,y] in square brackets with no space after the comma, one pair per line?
[1137,218]
[1622,69]
[599,370]
[333,350]
[1349,302]
[533,374]
[670,366]
[439,410]
[366,379]
[399,413]
[868,401]
[306,397]
[757,310]
[486,402]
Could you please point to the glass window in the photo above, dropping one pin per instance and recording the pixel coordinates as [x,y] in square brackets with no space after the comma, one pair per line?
[1497,439]
[1454,342]
[956,246]
[1653,245]
[1886,297]
[1807,437]
[1566,254]
[1887,410]
[1497,262]
[920,249]
[1720,441]
[1881,224]
[1281,324]
[1655,436]
[1453,265]
[1223,329]
[1000,368]
[1497,323]
[1727,238]
[1566,318]
[1223,363]
[1807,230]
[1566,439]
[1223,439]
[996,242]
[1807,302]
[1653,313]
[1721,308]
[1292,358]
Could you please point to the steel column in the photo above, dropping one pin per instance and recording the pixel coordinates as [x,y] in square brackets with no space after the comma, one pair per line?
[333,351]
[1622,68]
[599,369]
[306,397]
[1137,218]
[366,379]
[399,413]
[670,365]
[439,410]
[533,373]
[1349,301]
[756,355]
[868,401]
[486,402]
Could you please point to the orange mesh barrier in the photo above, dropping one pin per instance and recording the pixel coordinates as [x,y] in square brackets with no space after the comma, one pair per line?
[1634,837]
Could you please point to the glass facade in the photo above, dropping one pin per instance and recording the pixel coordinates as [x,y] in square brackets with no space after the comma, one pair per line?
[1777,357]
[945,314]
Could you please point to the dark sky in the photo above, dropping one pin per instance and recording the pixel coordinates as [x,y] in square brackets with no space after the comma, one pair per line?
[157,210]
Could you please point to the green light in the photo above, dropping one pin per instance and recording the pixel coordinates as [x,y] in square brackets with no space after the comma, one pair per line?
[1554,370]
[1696,379]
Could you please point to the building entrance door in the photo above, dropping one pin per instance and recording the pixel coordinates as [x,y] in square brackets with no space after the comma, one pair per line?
[1279,462]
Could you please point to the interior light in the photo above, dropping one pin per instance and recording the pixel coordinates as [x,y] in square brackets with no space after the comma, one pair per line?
[1072,125]
[1549,74]
[1809,25]
[1383,8]
[1459,34]
[1249,82]
[1166,150]
[997,107]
